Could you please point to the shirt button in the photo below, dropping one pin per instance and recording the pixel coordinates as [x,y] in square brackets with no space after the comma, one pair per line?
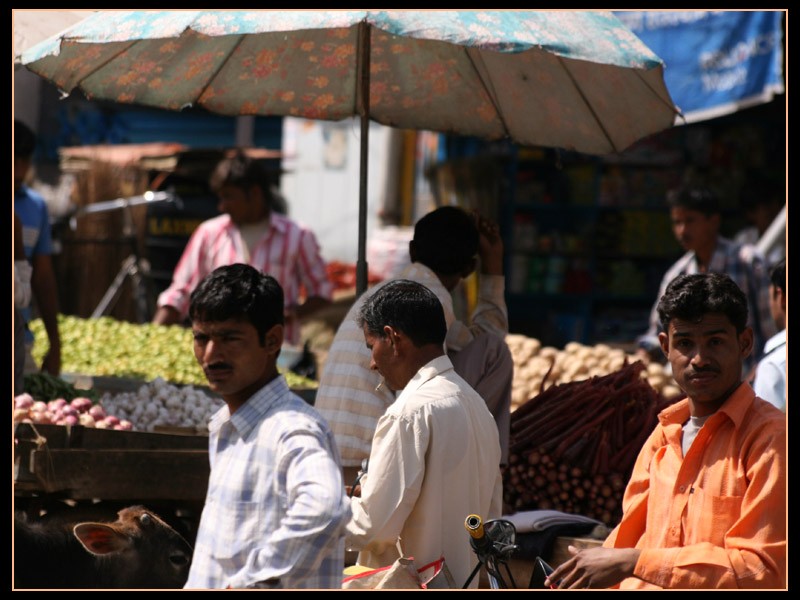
[682,488]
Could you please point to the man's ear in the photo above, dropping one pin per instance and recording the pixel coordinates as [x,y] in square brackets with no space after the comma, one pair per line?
[746,342]
[663,340]
[273,339]
[393,336]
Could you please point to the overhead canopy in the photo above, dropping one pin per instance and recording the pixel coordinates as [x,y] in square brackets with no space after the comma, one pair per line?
[717,62]
[33,26]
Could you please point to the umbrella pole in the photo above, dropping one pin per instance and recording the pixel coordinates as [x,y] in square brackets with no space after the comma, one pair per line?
[362,100]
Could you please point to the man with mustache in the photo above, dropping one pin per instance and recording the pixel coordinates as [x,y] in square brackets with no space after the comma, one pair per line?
[275,509]
[705,507]
[695,215]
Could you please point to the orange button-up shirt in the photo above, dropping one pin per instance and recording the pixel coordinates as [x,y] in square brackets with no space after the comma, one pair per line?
[715,518]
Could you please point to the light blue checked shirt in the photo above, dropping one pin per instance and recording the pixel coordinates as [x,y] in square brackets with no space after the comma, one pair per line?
[748,268]
[276,505]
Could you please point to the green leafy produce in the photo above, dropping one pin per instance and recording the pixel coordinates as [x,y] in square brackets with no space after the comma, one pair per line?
[107,347]
[46,387]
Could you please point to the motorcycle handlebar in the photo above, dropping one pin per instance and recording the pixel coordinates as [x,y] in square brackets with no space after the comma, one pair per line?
[474,526]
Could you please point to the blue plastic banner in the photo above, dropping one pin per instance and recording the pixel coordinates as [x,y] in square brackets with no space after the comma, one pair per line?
[717,62]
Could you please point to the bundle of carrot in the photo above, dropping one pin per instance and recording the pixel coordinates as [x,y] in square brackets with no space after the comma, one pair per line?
[573,445]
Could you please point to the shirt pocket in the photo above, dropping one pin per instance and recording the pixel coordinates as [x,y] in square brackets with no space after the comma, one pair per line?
[711,517]
[239,527]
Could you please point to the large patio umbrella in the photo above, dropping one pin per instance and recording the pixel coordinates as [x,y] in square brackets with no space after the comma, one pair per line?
[578,80]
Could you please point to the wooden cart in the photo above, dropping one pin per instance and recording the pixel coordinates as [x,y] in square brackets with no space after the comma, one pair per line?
[77,472]
[84,463]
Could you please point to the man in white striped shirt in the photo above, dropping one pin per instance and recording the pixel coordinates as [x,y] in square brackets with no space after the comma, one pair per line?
[275,510]
[250,232]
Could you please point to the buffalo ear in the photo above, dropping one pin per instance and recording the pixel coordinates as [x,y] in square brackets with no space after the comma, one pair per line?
[100,539]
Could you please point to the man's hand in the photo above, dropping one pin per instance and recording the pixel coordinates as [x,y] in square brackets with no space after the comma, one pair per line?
[51,363]
[490,246]
[166,315]
[594,568]
[353,492]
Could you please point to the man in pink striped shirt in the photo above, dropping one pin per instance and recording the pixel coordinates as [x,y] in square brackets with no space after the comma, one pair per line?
[249,232]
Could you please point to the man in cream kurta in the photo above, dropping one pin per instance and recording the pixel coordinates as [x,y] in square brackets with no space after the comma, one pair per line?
[435,460]
[446,242]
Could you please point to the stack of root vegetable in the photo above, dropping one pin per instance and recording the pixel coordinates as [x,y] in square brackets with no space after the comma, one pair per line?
[573,445]
[536,366]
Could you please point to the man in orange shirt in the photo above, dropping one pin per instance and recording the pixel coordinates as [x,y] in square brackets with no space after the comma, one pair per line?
[706,503]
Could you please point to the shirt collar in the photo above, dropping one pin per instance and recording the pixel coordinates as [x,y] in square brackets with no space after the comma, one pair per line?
[253,410]
[734,408]
[278,222]
[438,365]
[776,341]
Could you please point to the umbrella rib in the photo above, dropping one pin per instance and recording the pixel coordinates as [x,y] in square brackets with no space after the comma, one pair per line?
[473,54]
[671,106]
[675,109]
[587,103]
[78,84]
[210,80]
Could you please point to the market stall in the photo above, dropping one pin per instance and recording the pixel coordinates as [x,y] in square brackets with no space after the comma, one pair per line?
[112,431]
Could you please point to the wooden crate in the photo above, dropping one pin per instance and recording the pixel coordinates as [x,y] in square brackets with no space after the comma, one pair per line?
[84,463]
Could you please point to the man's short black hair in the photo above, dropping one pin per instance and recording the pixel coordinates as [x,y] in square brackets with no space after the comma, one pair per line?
[446,240]
[241,171]
[692,296]
[698,198]
[407,306]
[238,291]
[777,275]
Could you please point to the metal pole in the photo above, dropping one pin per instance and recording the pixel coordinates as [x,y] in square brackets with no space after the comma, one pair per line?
[362,100]
[775,233]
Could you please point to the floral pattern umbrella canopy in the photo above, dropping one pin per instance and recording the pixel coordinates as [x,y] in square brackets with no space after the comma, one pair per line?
[578,80]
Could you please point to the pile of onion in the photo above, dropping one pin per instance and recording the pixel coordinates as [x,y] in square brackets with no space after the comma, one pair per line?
[78,411]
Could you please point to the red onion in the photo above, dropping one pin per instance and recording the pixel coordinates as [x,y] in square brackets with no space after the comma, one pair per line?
[23,401]
[97,412]
[57,403]
[81,404]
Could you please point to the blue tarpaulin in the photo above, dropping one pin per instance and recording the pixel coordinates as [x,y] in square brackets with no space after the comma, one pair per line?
[717,62]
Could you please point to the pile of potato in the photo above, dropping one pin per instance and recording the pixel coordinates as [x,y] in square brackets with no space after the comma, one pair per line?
[575,362]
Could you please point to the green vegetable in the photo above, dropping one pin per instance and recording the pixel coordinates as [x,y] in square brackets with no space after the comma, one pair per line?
[45,387]
[107,347]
